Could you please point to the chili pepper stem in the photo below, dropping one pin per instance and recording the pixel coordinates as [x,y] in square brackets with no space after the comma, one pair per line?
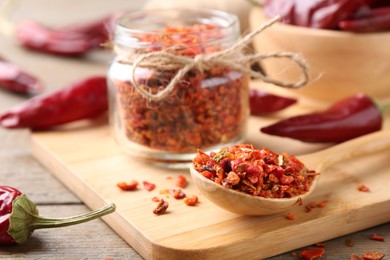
[25,219]
[43,222]
[385,107]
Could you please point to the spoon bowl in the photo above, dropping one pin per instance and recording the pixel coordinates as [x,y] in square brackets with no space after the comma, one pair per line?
[245,204]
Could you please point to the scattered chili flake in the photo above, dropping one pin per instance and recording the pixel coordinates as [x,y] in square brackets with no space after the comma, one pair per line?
[155,199]
[376,237]
[191,200]
[321,244]
[299,201]
[169,177]
[148,185]
[293,253]
[177,193]
[128,186]
[322,204]
[256,172]
[349,242]
[373,256]
[363,188]
[312,253]
[164,191]
[181,181]
[355,257]
[290,216]
[316,204]
[161,207]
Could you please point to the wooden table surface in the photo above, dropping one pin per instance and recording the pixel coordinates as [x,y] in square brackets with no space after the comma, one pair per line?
[92,240]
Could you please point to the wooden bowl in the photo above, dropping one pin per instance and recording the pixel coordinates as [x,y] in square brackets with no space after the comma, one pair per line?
[341,63]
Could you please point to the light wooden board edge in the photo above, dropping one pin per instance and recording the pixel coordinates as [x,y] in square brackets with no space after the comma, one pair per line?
[344,223]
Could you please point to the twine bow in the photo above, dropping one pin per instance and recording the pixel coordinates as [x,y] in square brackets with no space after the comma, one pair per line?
[228,57]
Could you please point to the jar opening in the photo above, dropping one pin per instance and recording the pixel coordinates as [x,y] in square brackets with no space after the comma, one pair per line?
[139,29]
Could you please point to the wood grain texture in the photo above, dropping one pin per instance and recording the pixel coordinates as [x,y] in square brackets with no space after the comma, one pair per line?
[85,157]
[18,168]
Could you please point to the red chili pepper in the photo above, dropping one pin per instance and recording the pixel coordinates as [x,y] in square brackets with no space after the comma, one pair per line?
[37,37]
[99,31]
[330,15]
[323,14]
[73,40]
[19,217]
[375,22]
[261,102]
[80,100]
[349,118]
[13,78]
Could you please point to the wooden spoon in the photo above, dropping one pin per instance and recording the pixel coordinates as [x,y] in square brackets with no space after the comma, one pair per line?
[245,204]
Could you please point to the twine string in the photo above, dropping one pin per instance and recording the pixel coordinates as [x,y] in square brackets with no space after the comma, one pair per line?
[232,57]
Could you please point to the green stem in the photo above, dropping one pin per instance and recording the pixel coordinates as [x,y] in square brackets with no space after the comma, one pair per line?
[42,222]
[256,2]
[25,218]
[385,107]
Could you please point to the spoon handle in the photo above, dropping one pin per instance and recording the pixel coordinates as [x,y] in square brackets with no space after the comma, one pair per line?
[367,144]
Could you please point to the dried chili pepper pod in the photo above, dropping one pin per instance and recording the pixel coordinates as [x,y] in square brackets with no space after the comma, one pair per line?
[349,118]
[19,217]
[80,100]
[261,102]
[13,78]
[35,36]
[375,20]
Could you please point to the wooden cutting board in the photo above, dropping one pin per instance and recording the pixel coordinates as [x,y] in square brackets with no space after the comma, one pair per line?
[87,160]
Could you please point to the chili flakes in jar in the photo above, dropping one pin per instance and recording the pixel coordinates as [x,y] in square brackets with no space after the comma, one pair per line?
[256,172]
[207,108]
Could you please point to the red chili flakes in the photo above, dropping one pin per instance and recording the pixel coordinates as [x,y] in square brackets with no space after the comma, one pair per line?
[181,181]
[355,257]
[363,188]
[299,202]
[155,199]
[177,193]
[316,204]
[128,186]
[161,207]
[376,237]
[182,120]
[256,172]
[349,242]
[148,185]
[312,253]
[290,216]
[191,200]
[373,256]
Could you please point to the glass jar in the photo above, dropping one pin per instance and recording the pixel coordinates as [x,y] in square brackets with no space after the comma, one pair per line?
[206,109]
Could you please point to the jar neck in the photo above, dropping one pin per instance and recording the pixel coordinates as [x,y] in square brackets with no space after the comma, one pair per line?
[180,31]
